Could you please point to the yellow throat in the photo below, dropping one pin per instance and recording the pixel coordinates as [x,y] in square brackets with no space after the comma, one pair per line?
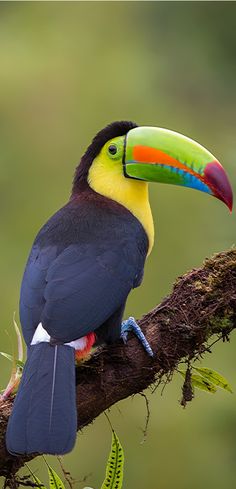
[106,178]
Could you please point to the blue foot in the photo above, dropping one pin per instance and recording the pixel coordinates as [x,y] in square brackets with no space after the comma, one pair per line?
[131,325]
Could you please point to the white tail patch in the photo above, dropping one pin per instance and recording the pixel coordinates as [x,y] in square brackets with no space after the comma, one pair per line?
[79,344]
[42,336]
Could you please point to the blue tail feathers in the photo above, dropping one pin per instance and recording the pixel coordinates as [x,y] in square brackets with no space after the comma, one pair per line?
[44,415]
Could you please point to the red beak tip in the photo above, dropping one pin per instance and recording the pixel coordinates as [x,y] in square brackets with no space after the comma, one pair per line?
[217,179]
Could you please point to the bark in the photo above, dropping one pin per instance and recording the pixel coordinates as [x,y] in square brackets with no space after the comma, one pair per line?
[200,309]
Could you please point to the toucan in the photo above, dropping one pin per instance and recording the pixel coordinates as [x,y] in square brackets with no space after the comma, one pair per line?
[83,264]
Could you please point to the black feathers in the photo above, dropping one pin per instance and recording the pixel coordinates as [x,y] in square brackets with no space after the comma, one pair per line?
[83,264]
[44,415]
[115,129]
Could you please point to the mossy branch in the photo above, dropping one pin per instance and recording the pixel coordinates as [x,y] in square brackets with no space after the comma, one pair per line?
[202,305]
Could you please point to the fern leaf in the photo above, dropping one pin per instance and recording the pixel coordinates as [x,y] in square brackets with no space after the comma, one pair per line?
[115,465]
[54,480]
[36,479]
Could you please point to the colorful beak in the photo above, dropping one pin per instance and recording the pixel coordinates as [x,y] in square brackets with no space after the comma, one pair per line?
[159,155]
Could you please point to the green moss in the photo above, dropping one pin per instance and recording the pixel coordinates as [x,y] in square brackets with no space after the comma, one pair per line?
[222,323]
[222,261]
[208,284]
[199,285]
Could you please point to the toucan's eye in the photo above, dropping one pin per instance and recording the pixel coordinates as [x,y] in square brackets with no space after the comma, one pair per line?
[112,149]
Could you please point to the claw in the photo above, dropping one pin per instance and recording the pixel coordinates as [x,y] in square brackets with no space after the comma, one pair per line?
[131,325]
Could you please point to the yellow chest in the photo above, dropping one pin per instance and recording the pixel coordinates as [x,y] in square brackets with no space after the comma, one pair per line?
[108,180]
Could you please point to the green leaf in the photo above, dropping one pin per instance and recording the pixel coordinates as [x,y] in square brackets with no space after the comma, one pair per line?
[36,479]
[14,380]
[18,363]
[214,377]
[115,465]
[19,340]
[202,383]
[54,480]
[6,355]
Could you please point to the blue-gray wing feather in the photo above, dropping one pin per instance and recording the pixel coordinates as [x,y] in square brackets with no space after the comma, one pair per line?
[75,291]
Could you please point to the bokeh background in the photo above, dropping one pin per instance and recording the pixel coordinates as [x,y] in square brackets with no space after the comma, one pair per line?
[67,69]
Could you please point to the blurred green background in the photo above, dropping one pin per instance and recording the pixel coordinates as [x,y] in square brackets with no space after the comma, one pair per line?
[67,69]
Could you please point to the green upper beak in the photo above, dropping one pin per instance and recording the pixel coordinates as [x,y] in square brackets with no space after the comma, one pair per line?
[159,155]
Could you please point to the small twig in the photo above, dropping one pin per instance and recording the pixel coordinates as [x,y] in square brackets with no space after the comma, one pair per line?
[28,483]
[145,429]
[84,479]
[187,389]
[68,477]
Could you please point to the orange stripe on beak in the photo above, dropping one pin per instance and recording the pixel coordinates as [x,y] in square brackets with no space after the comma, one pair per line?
[145,154]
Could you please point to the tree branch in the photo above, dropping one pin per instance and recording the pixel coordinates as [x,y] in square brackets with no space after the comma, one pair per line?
[201,305]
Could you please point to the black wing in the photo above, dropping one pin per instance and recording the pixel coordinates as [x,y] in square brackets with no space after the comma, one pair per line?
[32,300]
[74,292]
